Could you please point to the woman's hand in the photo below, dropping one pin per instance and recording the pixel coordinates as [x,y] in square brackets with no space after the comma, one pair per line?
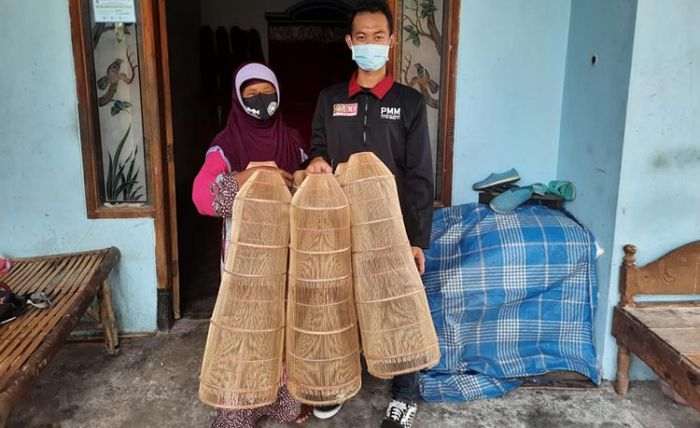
[318,165]
[243,176]
[419,257]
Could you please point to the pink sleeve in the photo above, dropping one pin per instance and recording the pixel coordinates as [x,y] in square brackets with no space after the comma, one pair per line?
[214,165]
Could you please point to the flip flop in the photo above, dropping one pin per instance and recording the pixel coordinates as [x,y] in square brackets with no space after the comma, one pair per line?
[564,189]
[496,179]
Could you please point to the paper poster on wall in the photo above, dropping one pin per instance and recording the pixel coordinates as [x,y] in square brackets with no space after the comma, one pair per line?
[114,11]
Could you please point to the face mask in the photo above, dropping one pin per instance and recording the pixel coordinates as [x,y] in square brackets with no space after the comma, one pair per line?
[261,106]
[370,57]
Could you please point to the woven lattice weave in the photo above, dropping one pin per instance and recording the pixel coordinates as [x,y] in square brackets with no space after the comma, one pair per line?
[243,356]
[398,335]
[323,352]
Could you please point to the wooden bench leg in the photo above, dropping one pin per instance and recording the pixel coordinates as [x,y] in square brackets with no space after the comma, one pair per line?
[622,381]
[4,414]
[107,319]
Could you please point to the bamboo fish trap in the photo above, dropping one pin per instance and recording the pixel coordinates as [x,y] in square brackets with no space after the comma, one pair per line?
[242,362]
[323,350]
[398,335]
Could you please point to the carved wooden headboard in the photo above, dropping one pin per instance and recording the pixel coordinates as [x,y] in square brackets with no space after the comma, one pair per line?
[677,272]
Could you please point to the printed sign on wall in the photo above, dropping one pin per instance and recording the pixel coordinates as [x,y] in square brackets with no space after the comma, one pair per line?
[114,10]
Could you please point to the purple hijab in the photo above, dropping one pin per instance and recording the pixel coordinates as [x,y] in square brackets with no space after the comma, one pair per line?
[247,139]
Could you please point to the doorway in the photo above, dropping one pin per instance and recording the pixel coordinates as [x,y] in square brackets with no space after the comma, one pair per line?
[302,41]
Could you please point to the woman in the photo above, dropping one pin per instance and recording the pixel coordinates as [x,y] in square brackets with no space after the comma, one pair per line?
[255,132]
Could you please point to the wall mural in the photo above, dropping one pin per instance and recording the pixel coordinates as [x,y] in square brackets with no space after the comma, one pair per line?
[421,56]
[115,53]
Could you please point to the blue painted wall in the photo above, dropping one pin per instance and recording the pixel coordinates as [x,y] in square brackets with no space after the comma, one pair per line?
[41,180]
[624,130]
[658,206]
[512,56]
[593,124]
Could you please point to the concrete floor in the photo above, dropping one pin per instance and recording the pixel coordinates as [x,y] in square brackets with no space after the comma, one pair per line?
[153,383]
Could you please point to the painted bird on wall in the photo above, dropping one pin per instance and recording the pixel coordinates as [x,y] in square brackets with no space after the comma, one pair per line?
[428,87]
[424,79]
[110,81]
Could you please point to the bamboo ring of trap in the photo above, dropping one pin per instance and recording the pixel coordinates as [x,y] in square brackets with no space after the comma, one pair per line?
[242,364]
[323,349]
[398,335]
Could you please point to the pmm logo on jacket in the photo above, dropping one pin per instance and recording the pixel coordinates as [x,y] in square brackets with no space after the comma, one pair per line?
[392,113]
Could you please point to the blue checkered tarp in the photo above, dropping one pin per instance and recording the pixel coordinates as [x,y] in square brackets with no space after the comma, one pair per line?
[512,296]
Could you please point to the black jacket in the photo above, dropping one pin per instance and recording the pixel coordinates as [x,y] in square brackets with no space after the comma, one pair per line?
[390,121]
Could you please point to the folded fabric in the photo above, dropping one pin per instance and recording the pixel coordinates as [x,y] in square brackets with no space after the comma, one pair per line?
[512,297]
[495,179]
[511,199]
[564,189]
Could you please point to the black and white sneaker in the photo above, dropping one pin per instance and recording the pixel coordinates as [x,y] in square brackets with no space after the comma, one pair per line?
[399,415]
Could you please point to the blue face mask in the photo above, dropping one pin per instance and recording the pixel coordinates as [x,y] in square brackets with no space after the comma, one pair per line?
[370,57]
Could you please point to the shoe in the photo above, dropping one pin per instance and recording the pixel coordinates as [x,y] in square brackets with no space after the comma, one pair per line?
[539,189]
[326,412]
[399,415]
[564,189]
[511,199]
[510,176]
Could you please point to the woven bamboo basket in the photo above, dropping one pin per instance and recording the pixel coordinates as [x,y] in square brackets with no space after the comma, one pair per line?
[299,177]
[398,335]
[242,363]
[323,350]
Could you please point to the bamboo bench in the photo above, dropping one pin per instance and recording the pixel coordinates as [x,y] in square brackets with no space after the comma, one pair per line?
[665,335]
[73,282]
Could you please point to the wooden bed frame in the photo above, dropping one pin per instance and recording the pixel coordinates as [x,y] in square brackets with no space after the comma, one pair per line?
[73,282]
[665,335]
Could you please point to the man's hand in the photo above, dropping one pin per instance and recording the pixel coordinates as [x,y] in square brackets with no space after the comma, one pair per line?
[318,165]
[419,257]
[243,176]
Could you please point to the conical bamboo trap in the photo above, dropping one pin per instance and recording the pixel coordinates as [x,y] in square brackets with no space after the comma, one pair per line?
[323,351]
[243,356]
[398,335]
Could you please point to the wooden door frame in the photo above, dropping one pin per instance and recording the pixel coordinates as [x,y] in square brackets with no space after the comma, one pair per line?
[157,134]
[167,268]
[448,96]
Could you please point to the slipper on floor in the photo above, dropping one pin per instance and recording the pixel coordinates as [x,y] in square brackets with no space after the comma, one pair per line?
[564,189]
[511,199]
[495,179]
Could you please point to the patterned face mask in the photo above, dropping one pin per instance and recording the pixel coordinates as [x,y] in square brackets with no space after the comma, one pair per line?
[261,106]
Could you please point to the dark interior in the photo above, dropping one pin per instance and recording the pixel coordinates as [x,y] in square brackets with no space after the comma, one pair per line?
[307,52]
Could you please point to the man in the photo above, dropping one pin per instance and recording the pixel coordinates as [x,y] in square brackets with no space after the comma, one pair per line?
[374,113]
